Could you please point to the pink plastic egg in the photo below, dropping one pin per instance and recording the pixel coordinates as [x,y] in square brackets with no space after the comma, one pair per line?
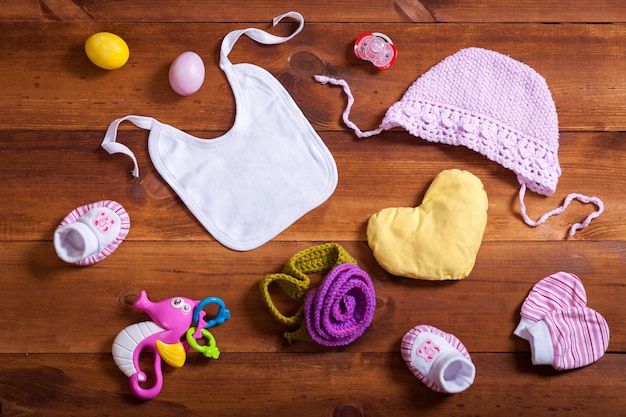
[187,73]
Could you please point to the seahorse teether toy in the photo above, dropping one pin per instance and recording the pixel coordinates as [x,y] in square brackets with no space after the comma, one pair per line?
[177,323]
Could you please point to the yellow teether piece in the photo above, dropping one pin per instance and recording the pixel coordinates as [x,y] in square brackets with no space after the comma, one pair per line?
[438,240]
[173,354]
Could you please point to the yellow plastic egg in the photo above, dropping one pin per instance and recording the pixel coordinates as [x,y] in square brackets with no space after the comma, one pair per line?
[107,50]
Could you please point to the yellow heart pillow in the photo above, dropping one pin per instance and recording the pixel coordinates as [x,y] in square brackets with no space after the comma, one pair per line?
[438,240]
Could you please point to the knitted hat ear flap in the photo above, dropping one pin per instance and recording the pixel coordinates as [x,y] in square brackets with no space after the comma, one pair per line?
[492,104]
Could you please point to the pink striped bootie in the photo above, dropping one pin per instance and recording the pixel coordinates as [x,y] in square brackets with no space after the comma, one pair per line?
[91,232]
[438,359]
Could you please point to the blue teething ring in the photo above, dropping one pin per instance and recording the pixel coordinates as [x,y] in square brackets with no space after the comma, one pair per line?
[222,315]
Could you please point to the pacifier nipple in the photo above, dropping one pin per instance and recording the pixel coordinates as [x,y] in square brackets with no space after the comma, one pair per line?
[376,48]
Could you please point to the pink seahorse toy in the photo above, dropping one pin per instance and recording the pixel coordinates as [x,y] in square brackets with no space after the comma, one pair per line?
[176,325]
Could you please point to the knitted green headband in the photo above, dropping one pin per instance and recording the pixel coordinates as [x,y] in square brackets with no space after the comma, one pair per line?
[334,314]
[294,281]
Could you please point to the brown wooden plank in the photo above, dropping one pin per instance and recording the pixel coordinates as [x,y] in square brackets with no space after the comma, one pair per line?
[394,169]
[58,321]
[342,384]
[581,63]
[57,305]
[318,11]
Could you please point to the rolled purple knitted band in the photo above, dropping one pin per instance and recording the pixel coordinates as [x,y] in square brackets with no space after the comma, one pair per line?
[338,312]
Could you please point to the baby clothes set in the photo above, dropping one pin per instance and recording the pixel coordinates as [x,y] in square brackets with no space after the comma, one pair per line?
[271,168]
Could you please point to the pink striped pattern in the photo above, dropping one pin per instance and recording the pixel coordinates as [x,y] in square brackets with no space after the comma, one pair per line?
[406,346]
[554,292]
[111,247]
[580,336]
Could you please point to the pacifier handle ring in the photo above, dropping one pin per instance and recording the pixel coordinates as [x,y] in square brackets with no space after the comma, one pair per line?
[383,36]
[222,315]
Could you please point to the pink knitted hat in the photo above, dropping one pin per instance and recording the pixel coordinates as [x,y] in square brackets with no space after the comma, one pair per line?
[492,104]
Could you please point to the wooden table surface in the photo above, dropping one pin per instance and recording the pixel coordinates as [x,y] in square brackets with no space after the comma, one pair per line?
[58,321]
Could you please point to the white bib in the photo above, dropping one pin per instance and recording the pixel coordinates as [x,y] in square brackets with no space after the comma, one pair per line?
[253,182]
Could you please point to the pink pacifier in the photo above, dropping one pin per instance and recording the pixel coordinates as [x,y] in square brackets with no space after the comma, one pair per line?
[376,48]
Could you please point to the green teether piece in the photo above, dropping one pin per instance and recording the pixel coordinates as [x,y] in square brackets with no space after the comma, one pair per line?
[209,350]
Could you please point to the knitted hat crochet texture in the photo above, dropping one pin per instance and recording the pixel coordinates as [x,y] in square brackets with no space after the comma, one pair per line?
[492,104]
